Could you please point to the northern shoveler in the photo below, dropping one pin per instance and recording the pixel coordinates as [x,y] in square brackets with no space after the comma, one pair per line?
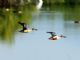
[76,21]
[26,29]
[55,37]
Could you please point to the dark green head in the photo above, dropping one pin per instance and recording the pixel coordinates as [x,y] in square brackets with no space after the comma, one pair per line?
[34,29]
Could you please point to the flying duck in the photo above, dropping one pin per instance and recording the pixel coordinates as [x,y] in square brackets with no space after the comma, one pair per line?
[55,37]
[76,21]
[25,28]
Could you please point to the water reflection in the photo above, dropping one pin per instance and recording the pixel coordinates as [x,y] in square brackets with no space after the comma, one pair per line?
[36,45]
[70,13]
[9,22]
[9,19]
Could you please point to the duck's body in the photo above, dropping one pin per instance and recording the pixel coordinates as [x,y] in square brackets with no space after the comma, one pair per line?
[54,36]
[26,29]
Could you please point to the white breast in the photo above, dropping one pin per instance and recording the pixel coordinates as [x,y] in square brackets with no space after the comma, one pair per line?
[27,30]
[57,37]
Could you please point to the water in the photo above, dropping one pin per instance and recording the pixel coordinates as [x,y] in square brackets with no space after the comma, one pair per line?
[36,45]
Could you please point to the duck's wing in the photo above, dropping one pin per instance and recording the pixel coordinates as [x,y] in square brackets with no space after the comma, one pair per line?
[21,23]
[26,27]
[52,33]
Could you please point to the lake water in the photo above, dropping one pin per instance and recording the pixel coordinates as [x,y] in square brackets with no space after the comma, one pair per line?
[36,45]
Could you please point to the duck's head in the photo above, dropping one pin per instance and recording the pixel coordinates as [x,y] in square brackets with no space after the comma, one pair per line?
[62,36]
[34,29]
[76,21]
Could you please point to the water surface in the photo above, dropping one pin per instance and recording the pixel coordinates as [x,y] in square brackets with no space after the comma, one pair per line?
[36,45]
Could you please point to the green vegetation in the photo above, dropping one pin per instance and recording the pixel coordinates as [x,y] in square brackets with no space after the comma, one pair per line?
[12,11]
[9,18]
[18,3]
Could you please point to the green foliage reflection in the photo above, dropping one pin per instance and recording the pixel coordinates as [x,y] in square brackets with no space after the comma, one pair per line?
[8,22]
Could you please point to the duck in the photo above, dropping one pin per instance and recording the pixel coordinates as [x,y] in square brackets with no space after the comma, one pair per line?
[55,37]
[25,28]
[76,21]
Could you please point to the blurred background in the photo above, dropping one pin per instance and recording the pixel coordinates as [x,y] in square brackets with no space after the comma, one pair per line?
[12,11]
[60,16]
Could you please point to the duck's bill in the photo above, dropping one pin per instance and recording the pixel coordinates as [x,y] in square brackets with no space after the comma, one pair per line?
[63,36]
[34,29]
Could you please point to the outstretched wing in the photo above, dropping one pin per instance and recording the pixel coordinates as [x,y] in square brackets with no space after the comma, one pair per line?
[23,25]
[52,33]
